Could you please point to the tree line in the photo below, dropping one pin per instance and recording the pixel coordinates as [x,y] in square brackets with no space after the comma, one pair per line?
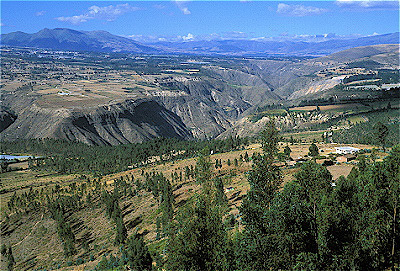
[310,223]
[73,157]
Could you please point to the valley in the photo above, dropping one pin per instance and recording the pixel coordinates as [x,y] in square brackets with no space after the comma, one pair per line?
[212,155]
[105,98]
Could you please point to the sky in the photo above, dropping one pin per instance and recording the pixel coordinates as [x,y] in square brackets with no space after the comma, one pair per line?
[150,21]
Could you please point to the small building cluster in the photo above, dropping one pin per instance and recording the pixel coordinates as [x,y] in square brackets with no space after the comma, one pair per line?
[346,150]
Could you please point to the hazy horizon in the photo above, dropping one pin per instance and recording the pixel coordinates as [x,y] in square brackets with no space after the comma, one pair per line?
[150,21]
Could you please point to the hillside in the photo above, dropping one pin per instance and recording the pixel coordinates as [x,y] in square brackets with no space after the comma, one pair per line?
[73,40]
[111,124]
[94,97]
[32,231]
[296,80]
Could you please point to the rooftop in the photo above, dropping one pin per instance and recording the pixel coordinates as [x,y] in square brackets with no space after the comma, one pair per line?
[346,148]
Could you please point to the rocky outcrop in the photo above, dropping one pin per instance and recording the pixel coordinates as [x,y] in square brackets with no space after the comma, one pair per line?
[6,118]
[117,123]
[209,106]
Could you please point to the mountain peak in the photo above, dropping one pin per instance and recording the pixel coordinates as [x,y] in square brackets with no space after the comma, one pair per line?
[74,40]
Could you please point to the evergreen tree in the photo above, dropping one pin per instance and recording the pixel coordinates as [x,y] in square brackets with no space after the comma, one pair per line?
[269,138]
[220,196]
[203,167]
[122,233]
[137,254]
[10,259]
[381,131]
[166,204]
[362,162]
[201,241]
[265,180]
[287,151]
[246,157]
[313,151]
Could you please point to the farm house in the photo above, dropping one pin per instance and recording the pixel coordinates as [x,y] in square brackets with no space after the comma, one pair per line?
[346,158]
[346,150]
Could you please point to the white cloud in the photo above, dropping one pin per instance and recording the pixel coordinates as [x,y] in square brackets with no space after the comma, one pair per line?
[108,13]
[182,6]
[40,13]
[299,10]
[368,4]
[75,19]
[189,37]
[237,35]
[1,24]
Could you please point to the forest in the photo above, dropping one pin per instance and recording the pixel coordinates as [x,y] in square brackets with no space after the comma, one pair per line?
[365,132]
[310,223]
[74,157]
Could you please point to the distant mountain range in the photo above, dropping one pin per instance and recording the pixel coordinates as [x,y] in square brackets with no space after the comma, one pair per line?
[252,47]
[68,39]
[102,41]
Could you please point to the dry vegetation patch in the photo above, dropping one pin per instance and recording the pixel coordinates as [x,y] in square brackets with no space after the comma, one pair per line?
[35,238]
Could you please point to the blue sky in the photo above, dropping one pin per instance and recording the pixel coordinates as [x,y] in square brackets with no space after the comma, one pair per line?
[196,20]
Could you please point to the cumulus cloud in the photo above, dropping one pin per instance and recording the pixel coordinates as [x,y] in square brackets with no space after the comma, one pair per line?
[40,13]
[368,4]
[108,13]
[299,10]
[182,6]
[189,37]
[77,19]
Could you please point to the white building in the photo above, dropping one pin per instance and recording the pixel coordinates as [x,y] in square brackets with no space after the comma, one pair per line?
[346,150]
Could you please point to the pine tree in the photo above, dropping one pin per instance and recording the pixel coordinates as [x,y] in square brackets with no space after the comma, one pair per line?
[220,196]
[216,164]
[137,254]
[167,202]
[313,150]
[10,259]
[203,167]
[201,241]
[381,131]
[246,157]
[265,181]
[287,151]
